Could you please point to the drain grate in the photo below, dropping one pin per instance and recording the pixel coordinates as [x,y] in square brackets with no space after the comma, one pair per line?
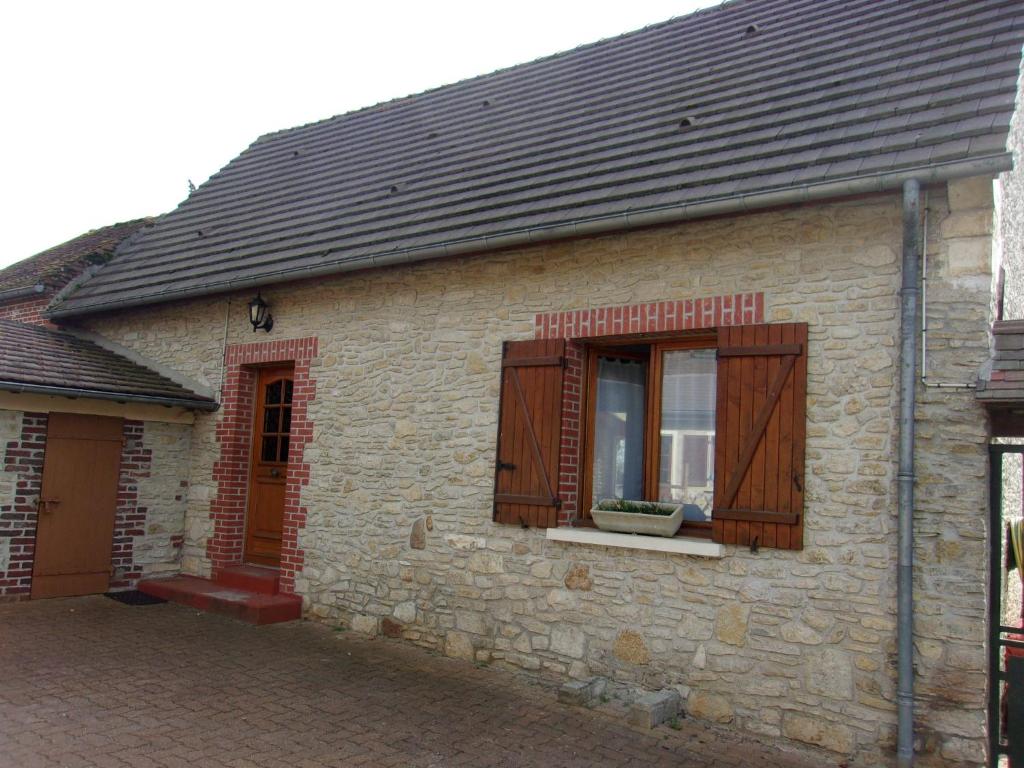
[134,597]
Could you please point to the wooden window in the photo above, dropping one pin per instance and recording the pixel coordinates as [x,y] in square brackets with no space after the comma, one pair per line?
[276,421]
[715,423]
[529,433]
[644,399]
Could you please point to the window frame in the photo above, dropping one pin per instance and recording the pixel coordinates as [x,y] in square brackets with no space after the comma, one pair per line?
[656,345]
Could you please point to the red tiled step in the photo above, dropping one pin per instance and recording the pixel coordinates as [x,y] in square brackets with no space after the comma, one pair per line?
[250,578]
[206,595]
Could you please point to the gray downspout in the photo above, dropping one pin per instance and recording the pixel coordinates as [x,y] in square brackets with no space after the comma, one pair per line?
[905,558]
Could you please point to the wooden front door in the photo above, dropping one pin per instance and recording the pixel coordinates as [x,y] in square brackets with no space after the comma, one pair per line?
[269,470]
[74,537]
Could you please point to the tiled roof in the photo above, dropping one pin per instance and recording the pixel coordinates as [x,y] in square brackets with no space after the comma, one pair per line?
[39,359]
[55,267]
[750,103]
[1005,384]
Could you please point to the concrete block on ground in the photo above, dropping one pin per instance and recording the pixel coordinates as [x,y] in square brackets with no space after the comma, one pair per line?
[583,693]
[653,709]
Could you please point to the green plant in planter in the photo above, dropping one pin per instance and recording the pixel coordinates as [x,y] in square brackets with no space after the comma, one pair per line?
[635,507]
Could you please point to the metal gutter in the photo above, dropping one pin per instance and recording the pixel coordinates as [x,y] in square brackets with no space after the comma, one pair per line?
[18,387]
[909,293]
[988,165]
[19,293]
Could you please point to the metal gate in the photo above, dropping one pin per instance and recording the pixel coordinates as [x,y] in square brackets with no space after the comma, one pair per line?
[1006,641]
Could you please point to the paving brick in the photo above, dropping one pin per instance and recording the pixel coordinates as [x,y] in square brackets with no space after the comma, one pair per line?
[92,682]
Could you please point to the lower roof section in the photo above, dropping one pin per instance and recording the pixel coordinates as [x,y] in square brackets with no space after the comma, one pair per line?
[47,361]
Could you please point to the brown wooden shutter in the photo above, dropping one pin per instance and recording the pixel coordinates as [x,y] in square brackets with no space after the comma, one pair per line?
[760,434]
[529,433]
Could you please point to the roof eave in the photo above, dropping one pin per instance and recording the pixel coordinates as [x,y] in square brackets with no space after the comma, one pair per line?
[988,165]
[21,292]
[18,387]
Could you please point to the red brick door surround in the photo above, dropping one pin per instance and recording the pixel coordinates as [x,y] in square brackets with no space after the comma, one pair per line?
[234,437]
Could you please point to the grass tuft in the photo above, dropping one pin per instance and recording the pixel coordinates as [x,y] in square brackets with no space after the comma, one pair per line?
[634,507]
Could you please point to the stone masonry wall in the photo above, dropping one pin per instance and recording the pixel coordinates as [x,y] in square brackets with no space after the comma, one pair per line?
[22,444]
[150,525]
[163,492]
[10,434]
[1011,215]
[799,645]
[951,504]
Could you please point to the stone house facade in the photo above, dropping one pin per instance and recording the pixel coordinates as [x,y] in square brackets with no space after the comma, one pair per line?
[392,513]
[784,643]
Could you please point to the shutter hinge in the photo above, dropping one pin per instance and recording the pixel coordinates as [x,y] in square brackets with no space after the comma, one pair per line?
[506,465]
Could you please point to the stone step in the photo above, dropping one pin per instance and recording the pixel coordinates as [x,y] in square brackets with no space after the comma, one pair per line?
[251,578]
[206,595]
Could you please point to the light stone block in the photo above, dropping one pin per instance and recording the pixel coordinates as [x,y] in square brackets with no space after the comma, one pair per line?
[653,709]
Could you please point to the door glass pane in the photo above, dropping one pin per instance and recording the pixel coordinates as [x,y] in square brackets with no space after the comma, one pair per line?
[271,419]
[286,420]
[619,429]
[688,387]
[269,449]
[284,448]
[273,393]
[288,390]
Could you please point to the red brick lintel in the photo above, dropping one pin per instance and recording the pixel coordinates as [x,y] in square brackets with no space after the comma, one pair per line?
[655,317]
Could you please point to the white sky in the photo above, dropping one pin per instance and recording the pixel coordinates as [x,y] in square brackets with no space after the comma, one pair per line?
[109,107]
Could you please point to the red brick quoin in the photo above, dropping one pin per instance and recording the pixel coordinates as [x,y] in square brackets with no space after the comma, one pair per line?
[24,457]
[656,317]
[130,519]
[234,436]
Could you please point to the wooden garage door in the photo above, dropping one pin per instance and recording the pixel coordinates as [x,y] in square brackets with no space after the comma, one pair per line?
[77,505]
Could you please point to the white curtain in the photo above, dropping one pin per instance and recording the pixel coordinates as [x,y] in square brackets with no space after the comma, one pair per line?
[619,429]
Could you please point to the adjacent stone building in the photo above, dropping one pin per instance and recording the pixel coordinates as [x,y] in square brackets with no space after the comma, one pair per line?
[665,266]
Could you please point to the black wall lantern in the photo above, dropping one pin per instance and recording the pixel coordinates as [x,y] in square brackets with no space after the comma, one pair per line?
[258,314]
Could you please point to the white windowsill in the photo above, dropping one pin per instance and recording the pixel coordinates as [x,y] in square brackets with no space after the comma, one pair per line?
[679,545]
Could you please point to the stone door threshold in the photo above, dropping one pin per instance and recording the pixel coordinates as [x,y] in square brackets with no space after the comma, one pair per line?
[680,545]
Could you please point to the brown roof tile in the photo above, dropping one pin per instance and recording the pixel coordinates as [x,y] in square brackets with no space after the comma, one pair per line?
[36,358]
[55,267]
[1005,382]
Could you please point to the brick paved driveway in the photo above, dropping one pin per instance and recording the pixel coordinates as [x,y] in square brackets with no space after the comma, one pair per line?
[91,682]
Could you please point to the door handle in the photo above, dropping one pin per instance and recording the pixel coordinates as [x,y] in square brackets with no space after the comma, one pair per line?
[275,473]
[44,505]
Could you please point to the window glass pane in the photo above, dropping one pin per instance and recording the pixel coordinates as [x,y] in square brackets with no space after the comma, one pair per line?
[686,473]
[284,448]
[273,393]
[270,419]
[288,390]
[269,449]
[619,429]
